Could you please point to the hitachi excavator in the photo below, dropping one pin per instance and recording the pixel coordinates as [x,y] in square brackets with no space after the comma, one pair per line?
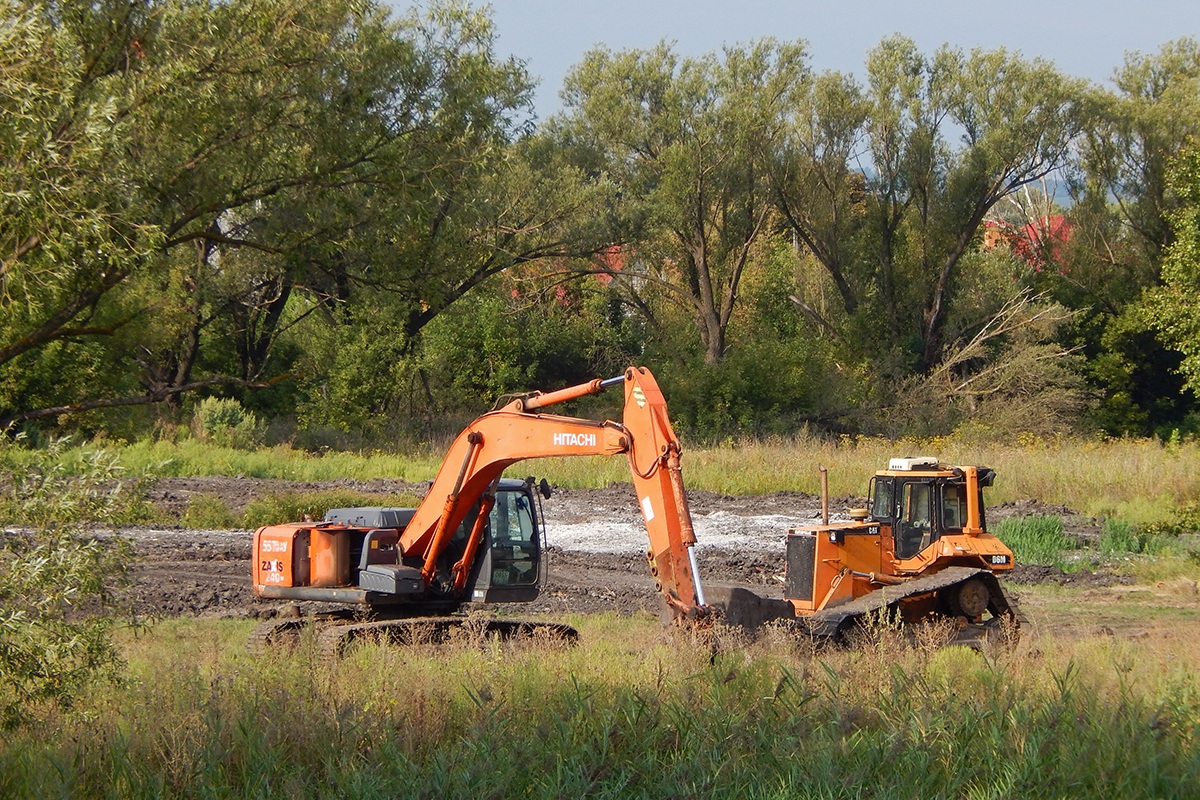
[921,551]
[476,536]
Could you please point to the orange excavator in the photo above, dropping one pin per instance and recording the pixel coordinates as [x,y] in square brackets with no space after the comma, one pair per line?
[477,536]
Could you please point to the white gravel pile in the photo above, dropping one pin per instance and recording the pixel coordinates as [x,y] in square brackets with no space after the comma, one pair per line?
[720,529]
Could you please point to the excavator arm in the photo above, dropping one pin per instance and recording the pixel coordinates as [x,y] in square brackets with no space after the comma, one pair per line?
[520,431]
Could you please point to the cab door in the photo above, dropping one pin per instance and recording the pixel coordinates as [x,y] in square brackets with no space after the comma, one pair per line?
[914,528]
[509,567]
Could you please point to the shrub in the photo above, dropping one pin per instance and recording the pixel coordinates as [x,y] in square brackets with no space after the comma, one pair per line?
[208,512]
[1119,536]
[225,422]
[56,584]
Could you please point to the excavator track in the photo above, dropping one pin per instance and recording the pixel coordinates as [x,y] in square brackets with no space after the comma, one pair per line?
[939,591]
[278,634]
[334,641]
[336,632]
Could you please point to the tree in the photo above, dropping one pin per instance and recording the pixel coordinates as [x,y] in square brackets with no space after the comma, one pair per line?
[1124,154]
[1171,308]
[56,581]
[892,233]
[686,142]
[1122,228]
[217,173]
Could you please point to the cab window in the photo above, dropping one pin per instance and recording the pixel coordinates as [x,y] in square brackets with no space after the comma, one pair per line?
[514,540]
[881,498]
[954,507]
[914,528]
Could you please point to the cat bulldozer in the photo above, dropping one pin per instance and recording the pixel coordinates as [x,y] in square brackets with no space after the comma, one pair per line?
[921,552]
[476,537]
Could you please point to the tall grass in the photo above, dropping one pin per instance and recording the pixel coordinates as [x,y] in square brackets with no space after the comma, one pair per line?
[1035,539]
[1138,480]
[631,712]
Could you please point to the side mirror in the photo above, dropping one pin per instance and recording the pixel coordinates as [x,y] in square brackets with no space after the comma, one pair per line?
[543,488]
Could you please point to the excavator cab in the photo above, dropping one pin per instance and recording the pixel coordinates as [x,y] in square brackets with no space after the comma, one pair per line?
[509,567]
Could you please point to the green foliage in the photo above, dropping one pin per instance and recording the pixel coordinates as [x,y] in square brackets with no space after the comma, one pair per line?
[208,512]
[1172,307]
[225,422]
[190,186]
[1035,540]
[688,143]
[1120,537]
[1183,520]
[347,216]
[56,581]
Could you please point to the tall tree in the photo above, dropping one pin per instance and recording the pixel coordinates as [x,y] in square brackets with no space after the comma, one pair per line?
[1125,152]
[184,173]
[1122,214]
[937,141]
[686,143]
[1171,308]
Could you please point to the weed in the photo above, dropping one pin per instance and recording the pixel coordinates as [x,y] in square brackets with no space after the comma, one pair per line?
[629,712]
[225,422]
[1035,540]
[208,512]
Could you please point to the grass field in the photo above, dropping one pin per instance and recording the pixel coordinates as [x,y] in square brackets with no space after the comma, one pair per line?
[1140,481]
[640,711]
[1100,699]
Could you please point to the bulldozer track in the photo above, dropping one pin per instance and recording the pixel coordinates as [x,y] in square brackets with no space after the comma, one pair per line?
[833,624]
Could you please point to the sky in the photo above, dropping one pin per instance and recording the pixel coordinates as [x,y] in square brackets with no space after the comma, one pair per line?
[1085,38]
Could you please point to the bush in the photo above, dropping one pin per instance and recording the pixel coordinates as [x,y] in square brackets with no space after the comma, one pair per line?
[56,584]
[225,422]
[208,512]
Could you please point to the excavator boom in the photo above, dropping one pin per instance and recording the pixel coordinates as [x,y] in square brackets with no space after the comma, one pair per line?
[519,431]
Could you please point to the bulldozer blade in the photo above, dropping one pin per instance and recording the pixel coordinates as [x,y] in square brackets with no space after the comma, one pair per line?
[742,608]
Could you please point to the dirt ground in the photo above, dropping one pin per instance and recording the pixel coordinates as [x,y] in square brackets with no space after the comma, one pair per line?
[595,561]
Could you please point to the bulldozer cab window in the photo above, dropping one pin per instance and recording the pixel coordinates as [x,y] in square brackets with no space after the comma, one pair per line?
[514,541]
[880,492]
[954,506]
[914,528]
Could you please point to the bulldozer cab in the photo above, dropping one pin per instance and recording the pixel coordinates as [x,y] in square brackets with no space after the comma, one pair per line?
[920,502]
